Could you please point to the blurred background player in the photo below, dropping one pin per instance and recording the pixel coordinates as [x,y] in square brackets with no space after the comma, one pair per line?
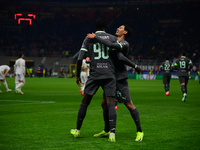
[19,69]
[183,65]
[166,67]
[84,75]
[4,69]
[123,92]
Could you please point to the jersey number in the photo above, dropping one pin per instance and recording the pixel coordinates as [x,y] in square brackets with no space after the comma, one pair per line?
[102,52]
[182,64]
[167,66]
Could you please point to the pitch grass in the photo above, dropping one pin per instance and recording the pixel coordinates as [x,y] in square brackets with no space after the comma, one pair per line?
[42,118]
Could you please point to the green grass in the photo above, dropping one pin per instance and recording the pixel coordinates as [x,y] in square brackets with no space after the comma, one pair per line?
[42,118]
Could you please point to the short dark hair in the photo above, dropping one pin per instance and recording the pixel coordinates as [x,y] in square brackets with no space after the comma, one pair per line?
[20,55]
[100,24]
[184,53]
[128,29]
[167,57]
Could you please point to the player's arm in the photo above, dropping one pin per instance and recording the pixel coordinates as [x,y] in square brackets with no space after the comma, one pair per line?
[127,61]
[81,56]
[190,65]
[108,43]
[161,67]
[7,70]
[24,68]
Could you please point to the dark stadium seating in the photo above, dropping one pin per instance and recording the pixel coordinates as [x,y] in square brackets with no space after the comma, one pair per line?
[158,29]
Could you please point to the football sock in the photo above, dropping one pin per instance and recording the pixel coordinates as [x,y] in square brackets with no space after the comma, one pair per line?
[112,116]
[106,121]
[5,84]
[20,85]
[116,103]
[183,89]
[165,86]
[83,87]
[81,116]
[136,118]
[168,87]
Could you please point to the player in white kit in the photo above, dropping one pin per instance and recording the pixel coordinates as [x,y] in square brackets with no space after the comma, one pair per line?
[4,69]
[19,69]
[84,75]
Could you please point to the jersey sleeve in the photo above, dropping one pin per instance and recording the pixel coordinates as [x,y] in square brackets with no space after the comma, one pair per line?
[23,66]
[8,68]
[108,43]
[82,53]
[85,46]
[125,47]
[125,60]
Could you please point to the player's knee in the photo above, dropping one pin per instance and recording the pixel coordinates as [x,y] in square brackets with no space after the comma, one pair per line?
[110,100]
[86,99]
[182,83]
[130,105]
[103,104]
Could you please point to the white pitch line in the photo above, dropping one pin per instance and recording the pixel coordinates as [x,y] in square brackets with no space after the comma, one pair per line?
[24,102]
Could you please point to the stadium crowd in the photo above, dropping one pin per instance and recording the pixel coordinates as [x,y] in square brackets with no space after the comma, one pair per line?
[158,30]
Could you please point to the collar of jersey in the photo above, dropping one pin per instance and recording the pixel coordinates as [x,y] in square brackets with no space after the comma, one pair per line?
[100,32]
[183,57]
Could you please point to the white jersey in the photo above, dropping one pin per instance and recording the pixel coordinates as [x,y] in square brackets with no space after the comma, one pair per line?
[20,66]
[85,66]
[3,68]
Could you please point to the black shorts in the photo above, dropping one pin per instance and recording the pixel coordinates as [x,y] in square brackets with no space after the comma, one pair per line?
[123,92]
[108,86]
[183,79]
[166,78]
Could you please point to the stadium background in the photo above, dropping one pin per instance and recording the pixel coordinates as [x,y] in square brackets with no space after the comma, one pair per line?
[160,28]
[42,117]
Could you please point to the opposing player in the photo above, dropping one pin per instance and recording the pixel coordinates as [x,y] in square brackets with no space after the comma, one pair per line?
[19,69]
[167,68]
[4,69]
[183,65]
[84,75]
[123,92]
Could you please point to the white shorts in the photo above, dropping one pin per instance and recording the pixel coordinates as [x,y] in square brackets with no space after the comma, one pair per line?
[19,77]
[1,76]
[84,77]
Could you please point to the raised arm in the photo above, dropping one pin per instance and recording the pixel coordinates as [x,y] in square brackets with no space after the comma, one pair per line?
[108,43]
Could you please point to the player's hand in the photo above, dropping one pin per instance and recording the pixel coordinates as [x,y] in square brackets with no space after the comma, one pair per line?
[138,69]
[90,36]
[87,60]
[14,75]
[78,82]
